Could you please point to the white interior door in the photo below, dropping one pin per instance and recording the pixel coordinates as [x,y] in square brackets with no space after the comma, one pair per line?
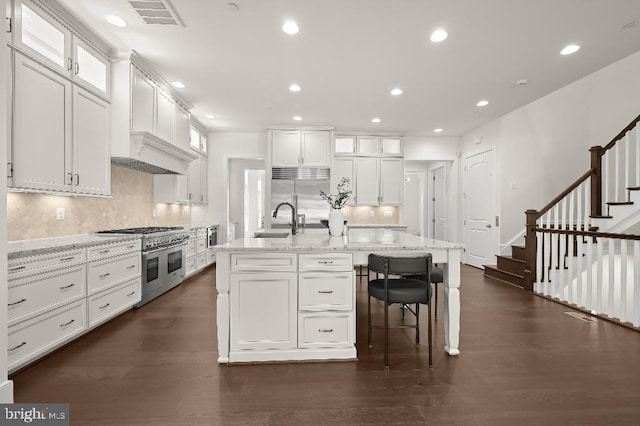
[479,208]
[413,211]
[439,204]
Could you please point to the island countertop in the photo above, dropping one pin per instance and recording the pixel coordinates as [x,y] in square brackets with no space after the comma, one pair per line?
[316,241]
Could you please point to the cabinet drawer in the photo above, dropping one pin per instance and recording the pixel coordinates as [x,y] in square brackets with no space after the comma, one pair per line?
[113,249]
[191,247]
[201,261]
[27,265]
[101,275]
[325,330]
[39,335]
[211,256]
[36,293]
[201,244]
[264,262]
[191,265]
[326,262]
[325,291]
[113,301]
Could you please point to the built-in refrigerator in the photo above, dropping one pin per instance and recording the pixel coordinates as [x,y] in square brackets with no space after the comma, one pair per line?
[304,195]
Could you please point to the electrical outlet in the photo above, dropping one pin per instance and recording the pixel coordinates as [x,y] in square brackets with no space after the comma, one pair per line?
[388,213]
[372,214]
[156,213]
[60,213]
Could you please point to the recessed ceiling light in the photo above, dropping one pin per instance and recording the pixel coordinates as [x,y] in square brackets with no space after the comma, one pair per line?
[210,116]
[297,118]
[178,84]
[233,7]
[438,130]
[439,35]
[522,82]
[116,20]
[568,50]
[482,103]
[294,88]
[290,27]
[376,120]
[396,92]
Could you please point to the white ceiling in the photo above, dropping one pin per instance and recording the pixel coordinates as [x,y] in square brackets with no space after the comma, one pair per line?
[349,54]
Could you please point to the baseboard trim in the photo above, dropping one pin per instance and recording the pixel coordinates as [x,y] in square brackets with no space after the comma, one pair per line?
[6,392]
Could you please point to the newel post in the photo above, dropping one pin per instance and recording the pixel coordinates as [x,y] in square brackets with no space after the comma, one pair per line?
[530,249]
[596,180]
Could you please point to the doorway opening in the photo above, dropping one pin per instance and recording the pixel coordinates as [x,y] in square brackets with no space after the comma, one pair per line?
[245,209]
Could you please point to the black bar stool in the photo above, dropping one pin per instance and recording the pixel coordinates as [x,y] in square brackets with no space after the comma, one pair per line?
[405,291]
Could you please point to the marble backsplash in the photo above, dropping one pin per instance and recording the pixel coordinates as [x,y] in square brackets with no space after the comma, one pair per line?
[367,215]
[31,216]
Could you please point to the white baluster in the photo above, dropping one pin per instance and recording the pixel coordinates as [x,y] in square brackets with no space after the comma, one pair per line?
[627,159]
[616,171]
[588,291]
[636,283]
[539,243]
[599,273]
[637,146]
[623,280]
[612,270]
[587,204]
[605,179]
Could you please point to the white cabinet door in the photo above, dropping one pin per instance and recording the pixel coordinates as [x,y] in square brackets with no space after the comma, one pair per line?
[344,167]
[264,311]
[142,102]
[170,189]
[285,148]
[41,145]
[391,146]
[368,145]
[183,128]
[90,68]
[344,145]
[91,144]
[204,175]
[367,181]
[391,181]
[194,181]
[316,148]
[166,116]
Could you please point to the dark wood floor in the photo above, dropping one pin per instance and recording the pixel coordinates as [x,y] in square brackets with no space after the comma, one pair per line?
[523,362]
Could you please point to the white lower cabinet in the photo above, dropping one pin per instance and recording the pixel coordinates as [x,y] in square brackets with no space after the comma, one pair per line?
[43,333]
[113,301]
[191,265]
[264,310]
[288,306]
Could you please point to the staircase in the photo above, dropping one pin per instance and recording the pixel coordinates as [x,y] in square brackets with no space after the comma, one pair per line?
[509,269]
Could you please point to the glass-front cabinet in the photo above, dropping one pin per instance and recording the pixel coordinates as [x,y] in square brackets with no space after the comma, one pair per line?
[40,34]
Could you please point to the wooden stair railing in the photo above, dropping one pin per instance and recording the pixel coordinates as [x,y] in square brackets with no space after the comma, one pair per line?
[588,192]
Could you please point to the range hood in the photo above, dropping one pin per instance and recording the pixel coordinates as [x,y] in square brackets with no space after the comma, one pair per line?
[300,173]
[149,154]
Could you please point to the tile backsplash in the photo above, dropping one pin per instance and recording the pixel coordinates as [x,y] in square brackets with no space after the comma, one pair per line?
[32,216]
[367,215]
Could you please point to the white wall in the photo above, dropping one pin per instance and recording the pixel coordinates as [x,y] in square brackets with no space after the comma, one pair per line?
[6,386]
[543,147]
[222,147]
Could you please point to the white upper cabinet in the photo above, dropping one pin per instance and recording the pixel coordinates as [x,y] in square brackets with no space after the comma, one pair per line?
[391,181]
[198,141]
[379,146]
[183,127]
[143,93]
[165,124]
[39,34]
[344,145]
[379,181]
[300,148]
[68,150]
[341,168]
[197,181]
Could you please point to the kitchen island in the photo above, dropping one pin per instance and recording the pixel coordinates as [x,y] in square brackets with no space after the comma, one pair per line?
[293,298]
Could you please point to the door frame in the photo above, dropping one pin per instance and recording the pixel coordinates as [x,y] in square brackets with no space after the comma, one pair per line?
[431,195]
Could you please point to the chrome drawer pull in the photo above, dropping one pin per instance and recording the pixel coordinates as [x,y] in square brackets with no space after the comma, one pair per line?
[105,275]
[131,294]
[104,251]
[19,346]
[131,267]
[17,269]
[67,323]
[66,259]
[16,303]
[102,307]
[66,286]
[325,330]
[325,291]
[131,247]
[326,262]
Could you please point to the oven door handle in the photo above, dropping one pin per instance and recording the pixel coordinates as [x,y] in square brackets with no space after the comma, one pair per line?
[144,253]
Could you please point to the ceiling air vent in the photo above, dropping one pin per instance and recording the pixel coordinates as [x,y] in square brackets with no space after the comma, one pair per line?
[156,12]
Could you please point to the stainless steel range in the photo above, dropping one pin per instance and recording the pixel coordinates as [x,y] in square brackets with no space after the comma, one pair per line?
[163,258]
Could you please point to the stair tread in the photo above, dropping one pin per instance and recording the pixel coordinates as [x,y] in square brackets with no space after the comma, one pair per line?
[511,258]
[633,188]
[600,217]
[495,268]
[620,203]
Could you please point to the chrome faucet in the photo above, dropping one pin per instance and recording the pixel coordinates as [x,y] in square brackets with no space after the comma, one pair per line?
[293,216]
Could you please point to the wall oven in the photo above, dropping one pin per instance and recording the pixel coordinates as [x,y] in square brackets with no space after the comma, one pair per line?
[212,235]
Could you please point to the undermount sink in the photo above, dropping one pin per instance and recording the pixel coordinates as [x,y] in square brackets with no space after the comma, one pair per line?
[271,235]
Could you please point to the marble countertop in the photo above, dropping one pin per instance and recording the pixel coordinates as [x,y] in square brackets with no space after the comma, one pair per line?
[23,248]
[376,226]
[322,241]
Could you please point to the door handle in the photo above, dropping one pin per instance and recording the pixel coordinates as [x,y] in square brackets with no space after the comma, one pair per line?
[488,225]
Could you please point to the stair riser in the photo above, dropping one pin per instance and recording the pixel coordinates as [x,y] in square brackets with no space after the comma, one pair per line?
[518,252]
[511,265]
[493,273]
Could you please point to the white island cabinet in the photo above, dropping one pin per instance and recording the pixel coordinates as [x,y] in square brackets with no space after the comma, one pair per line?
[293,299]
